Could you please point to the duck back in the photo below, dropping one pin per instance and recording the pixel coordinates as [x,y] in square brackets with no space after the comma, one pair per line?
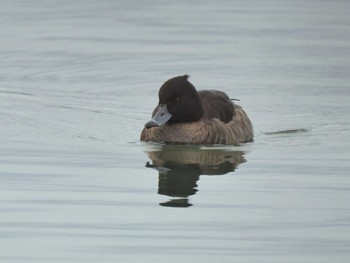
[216,104]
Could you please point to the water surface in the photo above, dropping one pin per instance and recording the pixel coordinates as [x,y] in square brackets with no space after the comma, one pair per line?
[79,79]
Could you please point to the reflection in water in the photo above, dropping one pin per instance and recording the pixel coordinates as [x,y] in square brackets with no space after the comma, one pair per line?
[179,168]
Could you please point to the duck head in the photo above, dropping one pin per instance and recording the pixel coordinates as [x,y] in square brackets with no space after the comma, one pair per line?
[178,103]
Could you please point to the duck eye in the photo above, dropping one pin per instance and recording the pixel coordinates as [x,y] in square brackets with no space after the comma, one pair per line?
[178,98]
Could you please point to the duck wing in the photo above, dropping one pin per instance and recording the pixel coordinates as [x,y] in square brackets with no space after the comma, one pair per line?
[216,104]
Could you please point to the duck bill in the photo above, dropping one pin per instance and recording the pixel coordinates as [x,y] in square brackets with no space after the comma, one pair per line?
[160,117]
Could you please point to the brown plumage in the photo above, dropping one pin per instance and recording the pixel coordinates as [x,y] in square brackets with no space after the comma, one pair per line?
[184,115]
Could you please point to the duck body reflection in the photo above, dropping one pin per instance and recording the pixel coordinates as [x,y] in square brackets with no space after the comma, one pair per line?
[180,167]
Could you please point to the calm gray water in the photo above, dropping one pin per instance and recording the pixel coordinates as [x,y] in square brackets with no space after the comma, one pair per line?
[78,79]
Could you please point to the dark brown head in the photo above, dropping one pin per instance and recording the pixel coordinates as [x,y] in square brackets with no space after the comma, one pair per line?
[178,102]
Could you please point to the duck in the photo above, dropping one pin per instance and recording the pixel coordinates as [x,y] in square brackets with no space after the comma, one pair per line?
[187,116]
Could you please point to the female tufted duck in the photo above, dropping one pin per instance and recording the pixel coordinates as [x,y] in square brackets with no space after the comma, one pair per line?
[184,115]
